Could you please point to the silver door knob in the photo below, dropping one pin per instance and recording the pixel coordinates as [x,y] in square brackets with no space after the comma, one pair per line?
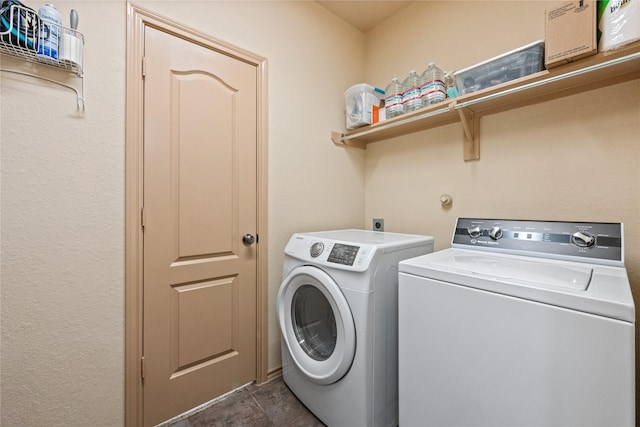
[248,239]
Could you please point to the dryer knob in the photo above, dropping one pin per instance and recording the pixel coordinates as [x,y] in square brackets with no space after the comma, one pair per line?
[316,249]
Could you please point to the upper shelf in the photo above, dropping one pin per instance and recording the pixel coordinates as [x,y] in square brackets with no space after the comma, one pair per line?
[594,72]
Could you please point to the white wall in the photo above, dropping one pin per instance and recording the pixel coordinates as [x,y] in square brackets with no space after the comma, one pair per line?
[573,159]
[62,211]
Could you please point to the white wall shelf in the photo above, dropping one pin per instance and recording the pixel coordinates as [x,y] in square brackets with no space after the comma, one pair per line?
[19,39]
[594,72]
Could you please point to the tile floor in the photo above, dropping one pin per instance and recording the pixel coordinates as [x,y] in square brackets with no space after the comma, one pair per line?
[270,404]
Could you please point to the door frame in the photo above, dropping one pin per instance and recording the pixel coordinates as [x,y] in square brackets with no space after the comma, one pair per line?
[137,19]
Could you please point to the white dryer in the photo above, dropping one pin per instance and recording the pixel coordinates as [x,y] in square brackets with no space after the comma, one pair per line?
[519,323]
[337,308]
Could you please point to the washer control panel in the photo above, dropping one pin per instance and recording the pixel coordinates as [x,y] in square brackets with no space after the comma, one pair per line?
[591,241]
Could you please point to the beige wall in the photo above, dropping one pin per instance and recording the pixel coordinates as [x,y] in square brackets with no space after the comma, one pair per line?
[575,159]
[62,232]
[62,355]
[62,175]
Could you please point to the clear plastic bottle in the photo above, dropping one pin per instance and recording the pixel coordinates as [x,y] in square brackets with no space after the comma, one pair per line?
[433,89]
[411,92]
[393,100]
[49,33]
[450,84]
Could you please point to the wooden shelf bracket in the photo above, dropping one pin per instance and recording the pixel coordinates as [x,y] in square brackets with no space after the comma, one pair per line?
[471,126]
[341,140]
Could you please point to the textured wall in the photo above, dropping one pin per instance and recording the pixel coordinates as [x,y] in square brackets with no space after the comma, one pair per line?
[62,235]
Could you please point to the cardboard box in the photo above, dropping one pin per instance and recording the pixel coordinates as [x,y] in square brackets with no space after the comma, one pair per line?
[570,32]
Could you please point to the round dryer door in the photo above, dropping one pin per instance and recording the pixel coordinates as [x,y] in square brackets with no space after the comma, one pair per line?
[317,325]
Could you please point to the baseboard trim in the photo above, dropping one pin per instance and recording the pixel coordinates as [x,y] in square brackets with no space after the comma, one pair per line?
[273,374]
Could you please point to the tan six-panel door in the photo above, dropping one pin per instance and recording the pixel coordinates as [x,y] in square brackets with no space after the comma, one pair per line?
[199,321]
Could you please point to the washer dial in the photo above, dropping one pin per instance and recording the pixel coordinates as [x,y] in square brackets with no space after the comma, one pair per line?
[495,233]
[475,232]
[583,239]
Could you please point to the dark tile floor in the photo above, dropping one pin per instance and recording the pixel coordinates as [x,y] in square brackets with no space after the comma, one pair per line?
[269,404]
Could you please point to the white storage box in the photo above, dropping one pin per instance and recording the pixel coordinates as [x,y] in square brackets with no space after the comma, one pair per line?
[512,65]
[362,102]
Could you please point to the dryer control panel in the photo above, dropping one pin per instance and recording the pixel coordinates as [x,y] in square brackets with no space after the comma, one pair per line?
[595,242]
[341,255]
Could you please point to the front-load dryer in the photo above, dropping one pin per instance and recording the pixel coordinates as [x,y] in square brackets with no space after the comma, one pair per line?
[519,323]
[337,309]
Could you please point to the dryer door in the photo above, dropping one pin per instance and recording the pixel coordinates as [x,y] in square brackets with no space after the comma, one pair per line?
[316,324]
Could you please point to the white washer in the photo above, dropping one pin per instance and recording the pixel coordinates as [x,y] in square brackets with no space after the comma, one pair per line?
[337,308]
[527,323]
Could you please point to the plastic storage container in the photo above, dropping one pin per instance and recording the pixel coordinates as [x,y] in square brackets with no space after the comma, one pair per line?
[362,102]
[512,65]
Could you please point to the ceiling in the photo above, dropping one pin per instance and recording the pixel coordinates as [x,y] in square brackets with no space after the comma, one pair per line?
[366,14]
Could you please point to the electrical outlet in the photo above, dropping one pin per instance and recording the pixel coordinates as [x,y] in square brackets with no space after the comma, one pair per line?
[378,224]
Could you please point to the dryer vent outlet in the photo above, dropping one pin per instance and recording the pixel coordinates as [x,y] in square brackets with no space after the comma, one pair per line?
[378,224]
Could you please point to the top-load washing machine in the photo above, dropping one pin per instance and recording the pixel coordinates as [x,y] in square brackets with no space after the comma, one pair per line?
[519,323]
[337,308]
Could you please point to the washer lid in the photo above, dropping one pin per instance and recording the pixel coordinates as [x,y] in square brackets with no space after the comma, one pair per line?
[517,271]
[592,288]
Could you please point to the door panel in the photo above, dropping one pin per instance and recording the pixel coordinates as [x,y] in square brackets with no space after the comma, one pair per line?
[194,309]
[202,219]
[200,189]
